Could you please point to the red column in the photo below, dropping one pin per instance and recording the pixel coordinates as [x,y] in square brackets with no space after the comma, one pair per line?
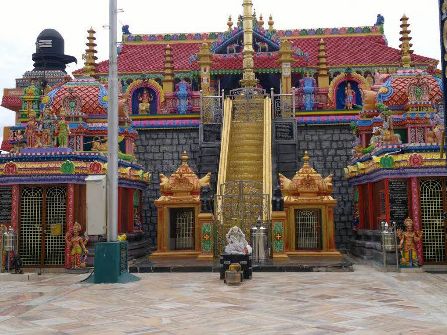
[371,206]
[416,216]
[70,221]
[129,203]
[15,207]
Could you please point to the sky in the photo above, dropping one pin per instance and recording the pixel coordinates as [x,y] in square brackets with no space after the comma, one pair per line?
[23,20]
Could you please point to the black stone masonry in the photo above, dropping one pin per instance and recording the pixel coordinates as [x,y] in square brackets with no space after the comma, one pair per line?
[329,148]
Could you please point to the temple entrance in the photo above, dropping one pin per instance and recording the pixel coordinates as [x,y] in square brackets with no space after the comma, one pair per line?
[42,226]
[181,235]
[433,207]
[240,204]
[308,229]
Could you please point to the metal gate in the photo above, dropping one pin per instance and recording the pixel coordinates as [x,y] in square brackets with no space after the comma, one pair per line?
[433,223]
[184,227]
[42,225]
[308,229]
[240,203]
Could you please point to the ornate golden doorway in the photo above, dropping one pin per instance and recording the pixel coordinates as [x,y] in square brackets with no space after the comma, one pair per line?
[42,226]
[433,207]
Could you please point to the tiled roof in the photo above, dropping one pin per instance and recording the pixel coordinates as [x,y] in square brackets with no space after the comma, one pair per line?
[345,50]
[12,102]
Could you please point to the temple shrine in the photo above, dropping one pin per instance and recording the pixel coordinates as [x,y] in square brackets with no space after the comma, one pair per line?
[238,127]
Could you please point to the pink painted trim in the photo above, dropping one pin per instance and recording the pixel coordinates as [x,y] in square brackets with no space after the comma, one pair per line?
[15,208]
[70,221]
[416,215]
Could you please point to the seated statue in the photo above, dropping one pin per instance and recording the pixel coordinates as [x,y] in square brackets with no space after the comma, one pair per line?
[145,100]
[237,244]
[408,241]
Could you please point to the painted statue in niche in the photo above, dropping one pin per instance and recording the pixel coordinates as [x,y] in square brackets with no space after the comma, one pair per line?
[348,95]
[144,101]
[408,244]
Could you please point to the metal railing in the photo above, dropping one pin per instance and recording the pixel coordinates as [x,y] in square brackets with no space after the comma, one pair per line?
[283,105]
[211,108]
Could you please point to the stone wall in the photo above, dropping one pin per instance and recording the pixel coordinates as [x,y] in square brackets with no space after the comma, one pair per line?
[158,150]
[329,148]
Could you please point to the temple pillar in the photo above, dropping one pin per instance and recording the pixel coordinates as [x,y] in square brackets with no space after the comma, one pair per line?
[205,67]
[15,207]
[70,221]
[415,215]
[286,60]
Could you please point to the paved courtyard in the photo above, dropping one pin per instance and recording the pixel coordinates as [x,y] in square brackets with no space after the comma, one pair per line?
[362,302]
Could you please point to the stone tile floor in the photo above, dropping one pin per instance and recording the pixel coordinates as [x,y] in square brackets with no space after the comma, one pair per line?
[361,302]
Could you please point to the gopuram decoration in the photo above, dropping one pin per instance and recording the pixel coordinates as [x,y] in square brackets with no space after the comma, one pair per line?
[308,218]
[57,154]
[181,228]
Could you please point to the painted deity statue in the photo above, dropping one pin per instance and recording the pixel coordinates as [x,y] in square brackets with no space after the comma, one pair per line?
[145,100]
[349,97]
[63,130]
[77,246]
[31,132]
[48,124]
[236,242]
[408,241]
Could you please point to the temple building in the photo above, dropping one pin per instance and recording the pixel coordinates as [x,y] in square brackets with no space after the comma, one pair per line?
[250,105]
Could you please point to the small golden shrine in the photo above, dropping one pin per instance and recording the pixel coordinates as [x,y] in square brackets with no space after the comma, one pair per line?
[308,217]
[181,229]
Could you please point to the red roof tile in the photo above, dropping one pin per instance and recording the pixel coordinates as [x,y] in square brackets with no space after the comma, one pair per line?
[352,50]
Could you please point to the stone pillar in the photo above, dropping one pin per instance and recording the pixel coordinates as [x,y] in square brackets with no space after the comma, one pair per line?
[286,60]
[205,66]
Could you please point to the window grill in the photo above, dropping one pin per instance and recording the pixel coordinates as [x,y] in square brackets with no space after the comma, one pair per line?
[56,205]
[432,220]
[184,223]
[308,228]
[31,225]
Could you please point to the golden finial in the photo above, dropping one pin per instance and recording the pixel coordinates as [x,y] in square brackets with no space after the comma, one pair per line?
[184,158]
[271,23]
[405,47]
[230,23]
[306,158]
[323,76]
[168,73]
[89,56]
[261,21]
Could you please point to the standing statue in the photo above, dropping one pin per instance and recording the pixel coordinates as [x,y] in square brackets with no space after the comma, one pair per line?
[77,246]
[349,97]
[145,100]
[63,130]
[408,240]
[31,132]
[48,123]
[237,244]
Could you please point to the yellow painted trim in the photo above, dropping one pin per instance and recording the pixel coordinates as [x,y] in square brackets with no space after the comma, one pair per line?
[323,36]
[171,42]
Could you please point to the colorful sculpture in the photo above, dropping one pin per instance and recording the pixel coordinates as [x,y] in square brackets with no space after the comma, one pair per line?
[408,241]
[349,97]
[63,130]
[77,246]
[145,102]
[31,132]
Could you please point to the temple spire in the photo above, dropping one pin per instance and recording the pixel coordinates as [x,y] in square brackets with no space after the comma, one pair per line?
[248,78]
[271,23]
[168,73]
[405,47]
[89,56]
[323,77]
[230,23]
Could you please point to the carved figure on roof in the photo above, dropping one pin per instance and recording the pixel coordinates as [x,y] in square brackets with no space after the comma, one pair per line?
[145,100]
[349,97]
[380,20]
[408,241]
[435,133]
[31,132]
[63,130]
[379,78]
[125,29]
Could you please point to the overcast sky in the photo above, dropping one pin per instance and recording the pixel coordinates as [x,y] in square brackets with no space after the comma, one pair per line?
[23,20]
